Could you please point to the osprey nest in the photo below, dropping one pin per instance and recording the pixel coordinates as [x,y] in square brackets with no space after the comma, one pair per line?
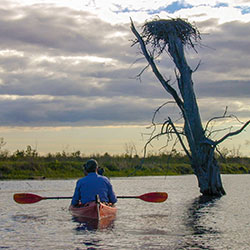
[161,32]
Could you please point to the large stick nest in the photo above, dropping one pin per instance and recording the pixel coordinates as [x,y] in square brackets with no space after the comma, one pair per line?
[161,32]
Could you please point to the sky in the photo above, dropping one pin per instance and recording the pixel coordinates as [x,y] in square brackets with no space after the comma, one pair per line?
[68,73]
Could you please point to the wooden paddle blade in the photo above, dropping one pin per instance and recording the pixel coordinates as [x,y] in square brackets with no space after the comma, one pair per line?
[26,198]
[154,197]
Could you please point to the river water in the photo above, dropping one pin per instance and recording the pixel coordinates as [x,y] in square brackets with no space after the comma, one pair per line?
[184,221]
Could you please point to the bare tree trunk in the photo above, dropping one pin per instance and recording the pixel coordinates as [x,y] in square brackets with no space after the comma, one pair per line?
[174,34]
[203,160]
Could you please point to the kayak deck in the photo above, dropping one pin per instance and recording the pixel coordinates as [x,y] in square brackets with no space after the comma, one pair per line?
[93,210]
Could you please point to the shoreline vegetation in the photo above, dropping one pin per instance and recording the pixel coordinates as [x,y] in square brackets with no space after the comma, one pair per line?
[28,164]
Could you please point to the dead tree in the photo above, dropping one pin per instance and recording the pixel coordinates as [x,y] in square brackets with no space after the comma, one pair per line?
[172,36]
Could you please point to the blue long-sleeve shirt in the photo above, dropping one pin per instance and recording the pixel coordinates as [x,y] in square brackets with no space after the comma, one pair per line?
[89,186]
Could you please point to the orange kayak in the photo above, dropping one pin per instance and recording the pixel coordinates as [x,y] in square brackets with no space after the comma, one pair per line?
[95,214]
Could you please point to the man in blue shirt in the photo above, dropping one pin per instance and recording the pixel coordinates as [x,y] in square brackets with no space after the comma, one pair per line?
[92,184]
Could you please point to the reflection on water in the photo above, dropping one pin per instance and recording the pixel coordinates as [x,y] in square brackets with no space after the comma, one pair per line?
[186,221]
[93,225]
[201,233]
[92,244]
[25,218]
[198,210]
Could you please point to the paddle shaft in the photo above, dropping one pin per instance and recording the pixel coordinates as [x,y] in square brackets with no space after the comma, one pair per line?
[70,197]
[128,197]
[118,197]
[56,198]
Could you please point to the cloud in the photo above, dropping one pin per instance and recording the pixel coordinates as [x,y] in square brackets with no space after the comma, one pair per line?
[73,111]
[61,66]
[224,89]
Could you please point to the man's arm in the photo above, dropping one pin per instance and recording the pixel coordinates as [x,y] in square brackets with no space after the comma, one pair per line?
[111,194]
[77,196]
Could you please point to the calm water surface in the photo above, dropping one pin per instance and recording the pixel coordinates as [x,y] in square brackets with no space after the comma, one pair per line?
[184,221]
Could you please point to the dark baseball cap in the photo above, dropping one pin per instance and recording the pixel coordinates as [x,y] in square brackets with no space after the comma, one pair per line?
[91,165]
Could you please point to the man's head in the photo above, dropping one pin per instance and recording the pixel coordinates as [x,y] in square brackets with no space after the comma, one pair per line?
[91,166]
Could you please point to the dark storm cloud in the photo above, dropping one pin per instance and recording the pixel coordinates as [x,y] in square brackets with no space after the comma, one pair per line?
[46,28]
[63,67]
[58,31]
[227,88]
[45,111]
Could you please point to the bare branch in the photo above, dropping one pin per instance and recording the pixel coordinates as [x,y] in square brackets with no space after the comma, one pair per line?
[139,75]
[216,118]
[137,60]
[168,128]
[224,116]
[232,133]
[158,109]
[154,116]
[225,111]
[151,139]
[198,65]
[179,137]
[219,130]
[165,83]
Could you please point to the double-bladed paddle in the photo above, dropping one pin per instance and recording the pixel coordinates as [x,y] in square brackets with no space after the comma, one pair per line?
[28,198]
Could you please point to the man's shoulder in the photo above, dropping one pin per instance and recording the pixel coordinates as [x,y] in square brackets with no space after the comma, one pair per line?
[81,179]
[105,178]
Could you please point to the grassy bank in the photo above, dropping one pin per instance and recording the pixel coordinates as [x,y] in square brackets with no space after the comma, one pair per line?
[29,165]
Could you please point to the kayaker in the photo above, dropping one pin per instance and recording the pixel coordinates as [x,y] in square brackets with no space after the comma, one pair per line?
[92,184]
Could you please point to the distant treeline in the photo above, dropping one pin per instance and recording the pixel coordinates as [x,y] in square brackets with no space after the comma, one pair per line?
[28,164]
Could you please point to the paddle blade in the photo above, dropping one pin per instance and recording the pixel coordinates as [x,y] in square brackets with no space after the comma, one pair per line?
[26,198]
[154,197]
